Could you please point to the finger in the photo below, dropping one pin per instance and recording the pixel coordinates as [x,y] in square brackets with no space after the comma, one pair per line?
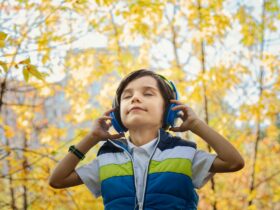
[108,125]
[182,107]
[180,103]
[105,125]
[107,113]
[102,121]
[116,136]
[181,116]
[176,101]
[175,129]
[105,118]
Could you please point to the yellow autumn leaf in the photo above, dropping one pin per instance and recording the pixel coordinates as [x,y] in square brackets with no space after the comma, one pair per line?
[252,195]
[81,1]
[26,74]
[45,58]
[26,61]
[8,131]
[272,131]
[2,44]
[3,35]
[7,149]
[33,70]
[276,196]
[252,207]
[3,65]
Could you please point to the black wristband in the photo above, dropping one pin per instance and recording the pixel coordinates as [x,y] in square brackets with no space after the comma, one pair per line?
[76,152]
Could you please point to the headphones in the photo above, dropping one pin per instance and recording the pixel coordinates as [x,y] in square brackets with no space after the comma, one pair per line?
[170,117]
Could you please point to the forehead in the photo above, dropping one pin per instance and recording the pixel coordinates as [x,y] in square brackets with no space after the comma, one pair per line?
[146,82]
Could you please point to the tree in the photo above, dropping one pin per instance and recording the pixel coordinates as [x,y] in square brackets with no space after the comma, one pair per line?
[221,56]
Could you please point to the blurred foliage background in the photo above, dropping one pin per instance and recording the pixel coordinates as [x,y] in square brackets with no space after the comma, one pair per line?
[61,62]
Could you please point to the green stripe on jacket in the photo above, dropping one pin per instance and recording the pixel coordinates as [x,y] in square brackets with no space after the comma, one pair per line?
[111,170]
[176,165]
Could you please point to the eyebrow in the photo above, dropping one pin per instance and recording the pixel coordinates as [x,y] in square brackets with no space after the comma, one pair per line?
[145,87]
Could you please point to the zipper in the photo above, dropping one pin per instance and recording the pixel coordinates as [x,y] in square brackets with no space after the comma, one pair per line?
[129,155]
[146,173]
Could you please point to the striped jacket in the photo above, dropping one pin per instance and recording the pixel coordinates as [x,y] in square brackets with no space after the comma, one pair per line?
[168,180]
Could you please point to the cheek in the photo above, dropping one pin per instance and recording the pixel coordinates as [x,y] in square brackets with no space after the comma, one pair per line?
[162,112]
[159,110]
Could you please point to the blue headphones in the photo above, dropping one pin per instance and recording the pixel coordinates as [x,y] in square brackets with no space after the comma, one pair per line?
[170,117]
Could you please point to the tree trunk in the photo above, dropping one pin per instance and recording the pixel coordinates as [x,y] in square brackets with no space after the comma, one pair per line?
[258,131]
[205,102]
[25,176]
[10,175]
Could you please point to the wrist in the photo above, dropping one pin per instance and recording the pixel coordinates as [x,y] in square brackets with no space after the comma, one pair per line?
[76,152]
[196,126]
[87,143]
[91,139]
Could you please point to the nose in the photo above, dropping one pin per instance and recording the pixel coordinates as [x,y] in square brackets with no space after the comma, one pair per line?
[135,98]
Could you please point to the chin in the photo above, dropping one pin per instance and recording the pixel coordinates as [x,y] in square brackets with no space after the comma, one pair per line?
[139,123]
[135,124]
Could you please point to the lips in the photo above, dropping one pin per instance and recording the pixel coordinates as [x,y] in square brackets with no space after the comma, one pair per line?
[136,108]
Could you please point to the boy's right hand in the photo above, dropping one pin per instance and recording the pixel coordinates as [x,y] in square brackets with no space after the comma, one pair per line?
[100,128]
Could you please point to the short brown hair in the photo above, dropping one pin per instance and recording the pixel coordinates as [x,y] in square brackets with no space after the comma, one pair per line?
[166,92]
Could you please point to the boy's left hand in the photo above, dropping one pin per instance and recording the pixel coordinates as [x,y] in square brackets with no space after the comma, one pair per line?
[190,119]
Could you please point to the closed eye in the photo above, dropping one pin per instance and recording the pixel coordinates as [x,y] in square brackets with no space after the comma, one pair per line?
[146,94]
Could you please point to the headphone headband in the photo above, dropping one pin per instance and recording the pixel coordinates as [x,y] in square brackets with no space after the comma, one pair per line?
[171,85]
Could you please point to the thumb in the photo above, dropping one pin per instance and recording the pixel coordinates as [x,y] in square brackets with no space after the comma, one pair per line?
[116,136]
[175,129]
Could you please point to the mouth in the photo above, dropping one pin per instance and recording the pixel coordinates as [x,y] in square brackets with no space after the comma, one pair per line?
[136,109]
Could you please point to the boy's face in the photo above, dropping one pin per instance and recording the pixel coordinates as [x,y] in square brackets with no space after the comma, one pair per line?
[143,93]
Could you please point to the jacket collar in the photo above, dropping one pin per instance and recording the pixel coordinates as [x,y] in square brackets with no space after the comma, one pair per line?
[164,136]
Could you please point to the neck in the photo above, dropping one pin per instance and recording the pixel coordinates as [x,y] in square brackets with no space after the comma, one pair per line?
[140,137]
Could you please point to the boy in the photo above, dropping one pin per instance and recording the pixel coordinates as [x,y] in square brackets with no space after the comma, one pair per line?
[151,169]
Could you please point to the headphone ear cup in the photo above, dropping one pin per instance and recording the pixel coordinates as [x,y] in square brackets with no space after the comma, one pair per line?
[116,119]
[171,116]
[117,126]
